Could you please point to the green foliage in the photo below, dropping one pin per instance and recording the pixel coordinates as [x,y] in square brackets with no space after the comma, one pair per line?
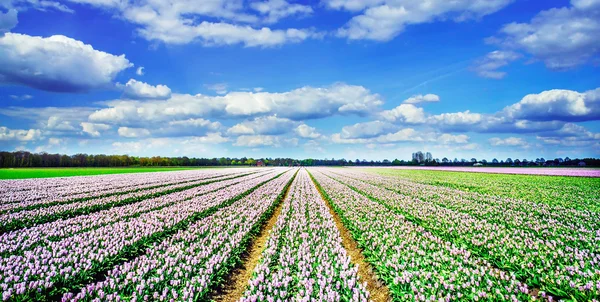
[572,192]
[20,173]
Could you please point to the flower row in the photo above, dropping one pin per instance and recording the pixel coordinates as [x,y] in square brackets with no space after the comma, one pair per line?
[59,189]
[556,268]
[23,239]
[77,257]
[184,266]
[415,264]
[304,259]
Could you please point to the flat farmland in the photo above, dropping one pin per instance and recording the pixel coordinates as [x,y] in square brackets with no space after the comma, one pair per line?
[21,173]
[300,234]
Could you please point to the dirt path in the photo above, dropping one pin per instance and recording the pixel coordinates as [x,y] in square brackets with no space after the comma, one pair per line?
[234,288]
[379,291]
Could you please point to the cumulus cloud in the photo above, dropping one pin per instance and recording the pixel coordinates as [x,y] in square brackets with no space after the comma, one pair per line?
[557,104]
[177,23]
[405,113]
[133,132]
[8,20]
[197,122]
[452,139]
[23,97]
[271,125]
[402,135]
[366,130]
[219,88]
[488,66]
[455,119]
[7,134]
[93,129]
[416,99]
[274,10]
[140,71]
[265,140]
[56,63]
[209,138]
[560,37]
[385,19]
[139,90]
[306,131]
[299,104]
[571,135]
[509,141]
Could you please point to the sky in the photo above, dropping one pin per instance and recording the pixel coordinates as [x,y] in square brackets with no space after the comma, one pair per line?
[370,79]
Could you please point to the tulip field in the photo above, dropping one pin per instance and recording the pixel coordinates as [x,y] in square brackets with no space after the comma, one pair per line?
[321,234]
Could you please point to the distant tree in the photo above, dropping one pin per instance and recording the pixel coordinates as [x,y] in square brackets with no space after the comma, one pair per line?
[495,161]
[509,161]
[445,160]
[473,160]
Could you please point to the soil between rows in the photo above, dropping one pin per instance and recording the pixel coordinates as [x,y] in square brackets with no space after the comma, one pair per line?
[233,288]
[379,292]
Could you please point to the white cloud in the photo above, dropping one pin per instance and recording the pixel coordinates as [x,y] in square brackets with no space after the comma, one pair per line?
[405,113]
[93,129]
[140,71]
[488,66]
[403,135]
[557,104]
[197,122]
[385,19]
[139,90]
[55,141]
[265,140]
[133,132]
[313,146]
[416,99]
[23,97]
[209,138]
[274,10]
[452,139]
[271,125]
[56,63]
[456,118]
[7,134]
[219,88]
[366,130]
[8,20]
[299,104]
[306,131]
[560,37]
[509,141]
[41,5]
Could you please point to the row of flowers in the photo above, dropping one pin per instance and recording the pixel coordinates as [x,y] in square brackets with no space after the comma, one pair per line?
[558,269]
[415,264]
[48,268]
[304,259]
[23,239]
[24,194]
[565,226]
[568,192]
[24,218]
[186,265]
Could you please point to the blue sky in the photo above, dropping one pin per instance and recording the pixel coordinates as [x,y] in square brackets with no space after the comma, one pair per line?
[373,79]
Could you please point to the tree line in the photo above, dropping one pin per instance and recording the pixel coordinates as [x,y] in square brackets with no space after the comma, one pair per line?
[25,159]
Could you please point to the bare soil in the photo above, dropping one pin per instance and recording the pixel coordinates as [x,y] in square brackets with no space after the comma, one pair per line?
[233,288]
[378,290]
